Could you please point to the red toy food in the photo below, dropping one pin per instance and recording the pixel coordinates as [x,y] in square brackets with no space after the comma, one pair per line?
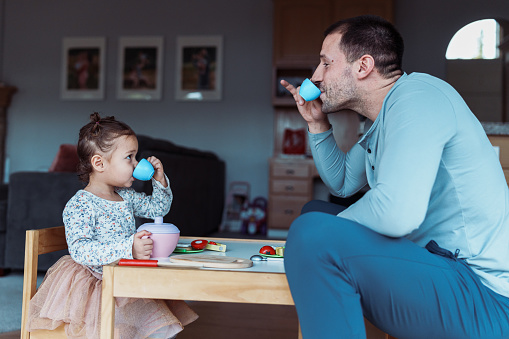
[199,244]
[267,250]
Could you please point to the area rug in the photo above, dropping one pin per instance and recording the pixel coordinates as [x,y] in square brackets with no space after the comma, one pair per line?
[11,294]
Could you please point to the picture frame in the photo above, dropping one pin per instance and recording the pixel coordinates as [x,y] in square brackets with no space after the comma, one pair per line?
[140,67]
[83,68]
[199,68]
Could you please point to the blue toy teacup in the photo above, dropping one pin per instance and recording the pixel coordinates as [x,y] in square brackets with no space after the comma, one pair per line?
[309,91]
[144,170]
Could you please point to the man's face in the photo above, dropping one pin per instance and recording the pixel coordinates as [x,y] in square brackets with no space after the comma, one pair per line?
[334,75]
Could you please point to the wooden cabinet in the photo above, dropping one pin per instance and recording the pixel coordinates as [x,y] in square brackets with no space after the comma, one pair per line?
[290,187]
[294,74]
[347,9]
[298,36]
[298,30]
[299,25]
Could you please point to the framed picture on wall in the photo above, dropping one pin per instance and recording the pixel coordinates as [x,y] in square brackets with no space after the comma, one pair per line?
[140,67]
[83,61]
[199,68]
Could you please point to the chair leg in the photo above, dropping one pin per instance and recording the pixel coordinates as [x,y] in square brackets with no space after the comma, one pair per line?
[29,277]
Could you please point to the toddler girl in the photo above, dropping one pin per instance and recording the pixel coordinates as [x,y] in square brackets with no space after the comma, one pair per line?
[100,229]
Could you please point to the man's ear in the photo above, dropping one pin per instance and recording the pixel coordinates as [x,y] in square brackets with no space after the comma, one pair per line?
[97,163]
[366,64]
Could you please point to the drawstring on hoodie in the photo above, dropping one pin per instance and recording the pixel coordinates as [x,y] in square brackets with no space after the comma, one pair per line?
[433,247]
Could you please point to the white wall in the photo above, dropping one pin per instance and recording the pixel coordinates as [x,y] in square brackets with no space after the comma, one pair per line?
[239,128]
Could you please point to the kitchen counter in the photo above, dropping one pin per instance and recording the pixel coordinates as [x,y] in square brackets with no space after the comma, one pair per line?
[496,128]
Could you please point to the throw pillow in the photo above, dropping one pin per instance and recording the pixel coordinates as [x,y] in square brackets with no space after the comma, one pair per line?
[66,159]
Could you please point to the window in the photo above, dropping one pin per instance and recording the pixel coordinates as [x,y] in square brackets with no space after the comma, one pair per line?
[477,40]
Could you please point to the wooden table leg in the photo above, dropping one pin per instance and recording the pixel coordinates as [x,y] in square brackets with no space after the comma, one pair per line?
[107,304]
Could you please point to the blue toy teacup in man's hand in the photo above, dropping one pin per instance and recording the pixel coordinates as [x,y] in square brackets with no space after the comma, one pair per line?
[309,91]
[144,170]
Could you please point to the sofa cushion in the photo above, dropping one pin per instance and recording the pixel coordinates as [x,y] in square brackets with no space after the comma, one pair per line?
[3,216]
[66,159]
[159,145]
[36,200]
[3,226]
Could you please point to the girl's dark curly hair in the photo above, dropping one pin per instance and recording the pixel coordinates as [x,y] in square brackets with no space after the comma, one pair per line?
[98,136]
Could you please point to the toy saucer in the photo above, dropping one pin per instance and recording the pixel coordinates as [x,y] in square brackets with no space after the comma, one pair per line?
[271,255]
[183,250]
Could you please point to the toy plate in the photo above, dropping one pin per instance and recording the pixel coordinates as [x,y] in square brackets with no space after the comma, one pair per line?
[183,250]
[271,255]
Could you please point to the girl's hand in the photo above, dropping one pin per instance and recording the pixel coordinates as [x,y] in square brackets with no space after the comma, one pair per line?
[158,170]
[142,248]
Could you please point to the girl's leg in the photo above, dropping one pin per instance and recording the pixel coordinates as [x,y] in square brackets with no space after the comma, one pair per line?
[339,271]
[161,334]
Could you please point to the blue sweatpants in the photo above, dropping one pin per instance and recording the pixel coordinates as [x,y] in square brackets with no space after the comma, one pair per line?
[340,271]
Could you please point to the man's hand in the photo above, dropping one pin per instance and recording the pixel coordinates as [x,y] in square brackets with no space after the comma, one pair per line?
[142,248]
[311,111]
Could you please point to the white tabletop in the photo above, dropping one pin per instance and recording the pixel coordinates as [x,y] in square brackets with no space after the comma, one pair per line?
[244,249]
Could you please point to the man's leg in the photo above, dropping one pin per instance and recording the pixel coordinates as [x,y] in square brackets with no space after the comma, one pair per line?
[339,271]
[322,206]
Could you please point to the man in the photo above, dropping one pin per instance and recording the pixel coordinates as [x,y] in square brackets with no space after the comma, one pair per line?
[425,252]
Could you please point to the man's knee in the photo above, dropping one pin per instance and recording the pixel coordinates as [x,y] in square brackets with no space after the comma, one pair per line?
[314,233]
[302,237]
[305,228]
[306,238]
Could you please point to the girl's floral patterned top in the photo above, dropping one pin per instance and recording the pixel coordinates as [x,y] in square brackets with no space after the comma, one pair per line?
[99,231]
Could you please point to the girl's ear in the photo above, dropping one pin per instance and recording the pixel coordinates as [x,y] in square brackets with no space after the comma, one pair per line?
[97,163]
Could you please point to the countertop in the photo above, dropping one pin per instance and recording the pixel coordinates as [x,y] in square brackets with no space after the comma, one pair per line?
[496,128]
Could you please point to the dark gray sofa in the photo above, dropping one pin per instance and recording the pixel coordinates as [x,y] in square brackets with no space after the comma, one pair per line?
[36,199]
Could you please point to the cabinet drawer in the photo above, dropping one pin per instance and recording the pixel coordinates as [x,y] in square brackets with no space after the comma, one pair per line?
[290,170]
[284,209]
[279,186]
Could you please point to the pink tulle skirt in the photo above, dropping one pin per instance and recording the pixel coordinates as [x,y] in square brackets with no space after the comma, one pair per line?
[70,294]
